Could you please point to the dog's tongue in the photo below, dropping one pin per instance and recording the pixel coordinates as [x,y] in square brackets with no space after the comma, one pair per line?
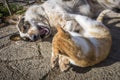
[43,31]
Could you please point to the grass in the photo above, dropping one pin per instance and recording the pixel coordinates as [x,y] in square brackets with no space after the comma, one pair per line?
[16,9]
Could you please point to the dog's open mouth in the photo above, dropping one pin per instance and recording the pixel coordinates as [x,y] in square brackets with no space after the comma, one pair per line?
[44,31]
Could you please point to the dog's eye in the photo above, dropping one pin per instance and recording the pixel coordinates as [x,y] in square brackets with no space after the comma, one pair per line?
[26,27]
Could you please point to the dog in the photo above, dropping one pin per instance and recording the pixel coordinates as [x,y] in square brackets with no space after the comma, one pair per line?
[39,19]
[88,47]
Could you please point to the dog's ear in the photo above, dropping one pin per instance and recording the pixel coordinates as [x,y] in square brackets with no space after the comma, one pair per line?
[21,23]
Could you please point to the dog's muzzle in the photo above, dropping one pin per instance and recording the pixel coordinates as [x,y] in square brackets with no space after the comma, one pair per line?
[44,31]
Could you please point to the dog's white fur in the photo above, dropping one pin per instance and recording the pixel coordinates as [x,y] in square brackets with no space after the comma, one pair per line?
[54,13]
[53,10]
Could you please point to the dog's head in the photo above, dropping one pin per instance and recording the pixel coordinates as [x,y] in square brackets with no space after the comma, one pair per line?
[33,30]
[34,24]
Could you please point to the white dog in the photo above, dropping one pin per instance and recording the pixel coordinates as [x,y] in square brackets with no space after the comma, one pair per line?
[36,22]
[38,19]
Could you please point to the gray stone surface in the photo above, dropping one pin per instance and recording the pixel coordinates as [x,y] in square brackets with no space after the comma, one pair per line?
[20,60]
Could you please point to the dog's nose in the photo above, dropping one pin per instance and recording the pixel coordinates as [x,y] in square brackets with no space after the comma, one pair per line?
[35,37]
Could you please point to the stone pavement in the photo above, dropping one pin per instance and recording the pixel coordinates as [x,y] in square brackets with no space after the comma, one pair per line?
[20,60]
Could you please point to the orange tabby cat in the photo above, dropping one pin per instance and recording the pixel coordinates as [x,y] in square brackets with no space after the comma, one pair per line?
[87,48]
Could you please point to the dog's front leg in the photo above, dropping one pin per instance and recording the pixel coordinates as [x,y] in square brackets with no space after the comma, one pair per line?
[68,26]
[71,24]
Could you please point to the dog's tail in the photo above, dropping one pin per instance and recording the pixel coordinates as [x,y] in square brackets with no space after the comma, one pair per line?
[102,14]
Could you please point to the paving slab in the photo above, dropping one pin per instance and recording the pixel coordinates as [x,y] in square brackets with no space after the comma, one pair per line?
[21,60]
